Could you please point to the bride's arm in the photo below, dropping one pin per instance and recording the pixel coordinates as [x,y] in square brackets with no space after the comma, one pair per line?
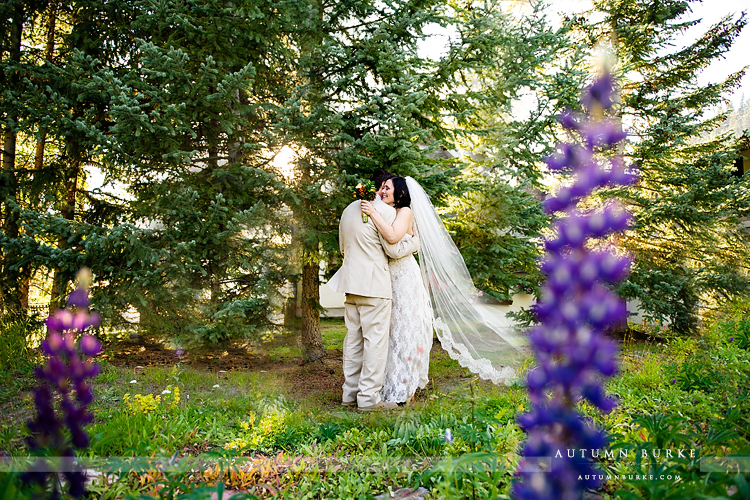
[391,233]
[407,246]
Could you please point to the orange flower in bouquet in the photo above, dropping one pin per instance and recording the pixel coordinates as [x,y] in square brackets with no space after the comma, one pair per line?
[364,190]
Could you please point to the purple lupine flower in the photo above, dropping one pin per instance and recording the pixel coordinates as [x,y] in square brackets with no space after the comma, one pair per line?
[574,310]
[68,348]
[601,93]
[79,298]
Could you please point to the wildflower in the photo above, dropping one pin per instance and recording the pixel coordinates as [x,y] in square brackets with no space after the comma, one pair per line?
[166,391]
[68,348]
[575,307]
[78,298]
[133,381]
[90,346]
[179,353]
[216,386]
[601,93]
[448,436]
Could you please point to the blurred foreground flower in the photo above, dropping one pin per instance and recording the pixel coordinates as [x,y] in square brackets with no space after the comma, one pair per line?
[57,429]
[575,309]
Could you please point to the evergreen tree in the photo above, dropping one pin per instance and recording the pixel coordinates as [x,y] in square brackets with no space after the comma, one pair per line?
[737,122]
[370,100]
[61,122]
[15,17]
[687,245]
[366,101]
[743,117]
[498,221]
[175,102]
[196,106]
[43,150]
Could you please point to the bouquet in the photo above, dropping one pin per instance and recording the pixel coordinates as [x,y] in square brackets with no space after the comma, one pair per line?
[364,190]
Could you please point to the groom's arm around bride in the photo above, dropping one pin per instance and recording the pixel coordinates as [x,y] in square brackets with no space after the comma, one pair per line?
[365,251]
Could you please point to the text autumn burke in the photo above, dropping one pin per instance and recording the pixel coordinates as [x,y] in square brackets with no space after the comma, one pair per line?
[612,455]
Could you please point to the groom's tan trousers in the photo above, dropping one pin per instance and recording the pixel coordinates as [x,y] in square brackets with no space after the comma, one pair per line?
[368,322]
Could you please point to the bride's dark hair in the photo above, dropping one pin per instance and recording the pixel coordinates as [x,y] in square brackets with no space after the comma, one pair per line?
[401,197]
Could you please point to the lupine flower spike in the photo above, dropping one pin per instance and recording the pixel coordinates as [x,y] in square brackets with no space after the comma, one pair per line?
[575,309]
[59,431]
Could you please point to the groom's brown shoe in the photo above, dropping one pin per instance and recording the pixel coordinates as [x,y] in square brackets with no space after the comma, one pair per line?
[379,406]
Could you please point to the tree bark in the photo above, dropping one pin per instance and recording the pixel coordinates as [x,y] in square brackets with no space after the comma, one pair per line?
[9,291]
[236,139]
[312,341]
[49,51]
[213,148]
[24,279]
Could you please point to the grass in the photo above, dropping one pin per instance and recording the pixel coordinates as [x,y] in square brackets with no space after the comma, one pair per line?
[333,333]
[296,442]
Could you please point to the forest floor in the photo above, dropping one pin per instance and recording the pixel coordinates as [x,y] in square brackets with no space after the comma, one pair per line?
[278,356]
[318,383]
[277,359]
[257,401]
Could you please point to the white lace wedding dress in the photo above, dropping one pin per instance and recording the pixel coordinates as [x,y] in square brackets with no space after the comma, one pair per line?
[411,332]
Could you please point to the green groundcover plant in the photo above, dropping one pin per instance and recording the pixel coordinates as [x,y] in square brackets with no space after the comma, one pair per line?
[247,435]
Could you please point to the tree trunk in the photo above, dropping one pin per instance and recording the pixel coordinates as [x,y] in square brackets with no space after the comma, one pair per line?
[9,291]
[48,53]
[312,341]
[236,139]
[10,222]
[24,281]
[213,149]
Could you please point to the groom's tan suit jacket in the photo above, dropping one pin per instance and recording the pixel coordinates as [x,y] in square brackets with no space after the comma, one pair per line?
[365,279]
[365,268]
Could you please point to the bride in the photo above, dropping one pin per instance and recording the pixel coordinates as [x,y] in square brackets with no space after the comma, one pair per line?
[437,293]
[410,338]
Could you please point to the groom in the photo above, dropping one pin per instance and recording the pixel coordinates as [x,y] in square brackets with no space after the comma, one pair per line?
[365,279]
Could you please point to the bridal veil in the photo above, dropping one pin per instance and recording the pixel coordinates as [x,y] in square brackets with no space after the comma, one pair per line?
[479,337]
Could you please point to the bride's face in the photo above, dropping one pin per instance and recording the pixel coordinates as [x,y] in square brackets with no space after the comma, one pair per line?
[386,193]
